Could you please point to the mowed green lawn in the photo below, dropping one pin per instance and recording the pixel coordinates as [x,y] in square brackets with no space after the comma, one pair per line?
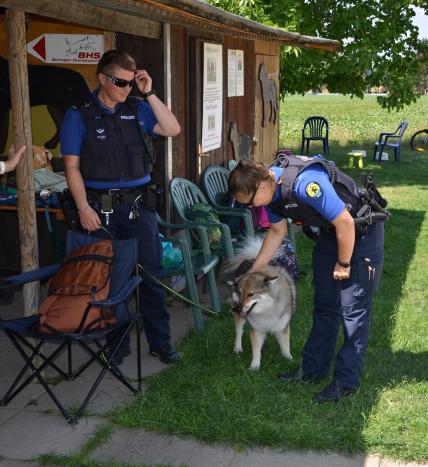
[213,396]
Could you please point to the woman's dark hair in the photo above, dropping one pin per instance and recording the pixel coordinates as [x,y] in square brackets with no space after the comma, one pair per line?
[114,59]
[246,177]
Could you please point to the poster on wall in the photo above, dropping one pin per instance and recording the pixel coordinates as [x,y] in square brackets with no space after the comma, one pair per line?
[239,72]
[235,73]
[231,73]
[212,99]
[67,48]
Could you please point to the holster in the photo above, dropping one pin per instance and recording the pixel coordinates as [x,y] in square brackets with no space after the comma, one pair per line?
[69,209]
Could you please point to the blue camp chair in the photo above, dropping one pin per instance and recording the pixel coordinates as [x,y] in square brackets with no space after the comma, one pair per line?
[315,129]
[29,342]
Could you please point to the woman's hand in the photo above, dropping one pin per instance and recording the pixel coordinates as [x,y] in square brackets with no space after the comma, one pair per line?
[14,156]
[341,273]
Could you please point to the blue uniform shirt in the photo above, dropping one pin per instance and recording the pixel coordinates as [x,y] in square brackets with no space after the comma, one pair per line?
[73,133]
[313,187]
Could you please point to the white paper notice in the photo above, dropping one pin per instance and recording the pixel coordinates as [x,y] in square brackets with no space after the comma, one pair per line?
[231,73]
[239,72]
[212,113]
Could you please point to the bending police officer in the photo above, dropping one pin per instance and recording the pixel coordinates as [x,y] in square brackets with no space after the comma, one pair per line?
[347,262]
[108,158]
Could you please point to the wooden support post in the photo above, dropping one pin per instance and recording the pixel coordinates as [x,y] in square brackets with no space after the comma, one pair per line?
[20,98]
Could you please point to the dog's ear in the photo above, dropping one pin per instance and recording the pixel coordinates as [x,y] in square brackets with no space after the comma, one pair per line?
[270,279]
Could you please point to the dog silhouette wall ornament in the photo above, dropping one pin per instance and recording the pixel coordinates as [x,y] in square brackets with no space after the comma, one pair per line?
[57,88]
[241,144]
[269,95]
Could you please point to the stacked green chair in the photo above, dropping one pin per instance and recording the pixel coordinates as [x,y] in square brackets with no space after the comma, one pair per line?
[231,164]
[198,263]
[184,195]
[214,184]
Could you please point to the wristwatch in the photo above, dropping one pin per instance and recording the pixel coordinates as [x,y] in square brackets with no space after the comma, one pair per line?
[150,93]
[343,264]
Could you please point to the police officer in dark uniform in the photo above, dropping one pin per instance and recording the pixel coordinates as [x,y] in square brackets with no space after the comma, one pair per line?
[347,258]
[108,158]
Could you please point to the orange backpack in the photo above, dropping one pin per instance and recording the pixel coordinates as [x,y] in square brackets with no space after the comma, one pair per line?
[83,276]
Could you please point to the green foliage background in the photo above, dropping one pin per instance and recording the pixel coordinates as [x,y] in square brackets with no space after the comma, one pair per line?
[379,45]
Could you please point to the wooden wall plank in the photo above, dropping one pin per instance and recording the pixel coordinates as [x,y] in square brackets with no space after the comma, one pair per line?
[179,93]
[267,47]
[268,136]
[240,108]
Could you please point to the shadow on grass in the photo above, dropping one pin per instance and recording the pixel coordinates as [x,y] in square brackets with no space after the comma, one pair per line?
[212,395]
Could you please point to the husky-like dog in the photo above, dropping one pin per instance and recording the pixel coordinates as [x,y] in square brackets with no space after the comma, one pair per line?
[266,299]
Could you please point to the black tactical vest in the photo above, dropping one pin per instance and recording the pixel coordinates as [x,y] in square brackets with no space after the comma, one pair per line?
[301,213]
[115,145]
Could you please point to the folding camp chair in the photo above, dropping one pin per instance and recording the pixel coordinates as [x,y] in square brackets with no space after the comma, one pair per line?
[29,342]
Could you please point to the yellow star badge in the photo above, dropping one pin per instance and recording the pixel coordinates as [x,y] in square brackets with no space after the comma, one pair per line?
[313,190]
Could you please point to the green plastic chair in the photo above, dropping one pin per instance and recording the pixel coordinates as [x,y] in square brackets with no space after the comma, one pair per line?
[214,184]
[231,164]
[185,194]
[197,264]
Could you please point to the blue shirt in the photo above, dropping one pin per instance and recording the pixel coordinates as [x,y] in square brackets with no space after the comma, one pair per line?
[326,202]
[73,134]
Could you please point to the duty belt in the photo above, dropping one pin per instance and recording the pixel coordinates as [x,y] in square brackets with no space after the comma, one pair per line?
[113,196]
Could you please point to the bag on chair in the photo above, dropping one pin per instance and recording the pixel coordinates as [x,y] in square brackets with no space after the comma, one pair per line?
[84,276]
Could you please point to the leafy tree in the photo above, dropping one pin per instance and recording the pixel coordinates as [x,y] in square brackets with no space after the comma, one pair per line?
[379,45]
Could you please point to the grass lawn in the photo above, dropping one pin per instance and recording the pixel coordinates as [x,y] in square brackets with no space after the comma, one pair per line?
[213,396]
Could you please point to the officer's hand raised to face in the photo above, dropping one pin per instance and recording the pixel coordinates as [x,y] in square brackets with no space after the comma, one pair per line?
[143,81]
[341,273]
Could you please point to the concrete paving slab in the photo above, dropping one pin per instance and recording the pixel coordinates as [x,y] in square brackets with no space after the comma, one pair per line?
[6,413]
[28,434]
[274,458]
[110,394]
[13,463]
[139,446]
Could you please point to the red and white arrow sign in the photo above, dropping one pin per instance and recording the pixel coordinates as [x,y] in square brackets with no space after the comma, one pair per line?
[67,48]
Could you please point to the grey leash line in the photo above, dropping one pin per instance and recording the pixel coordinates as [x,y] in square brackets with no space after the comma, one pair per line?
[177,294]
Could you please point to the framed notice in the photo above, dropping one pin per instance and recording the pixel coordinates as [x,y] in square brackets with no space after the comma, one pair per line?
[239,72]
[212,98]
[231,73]
[235,73]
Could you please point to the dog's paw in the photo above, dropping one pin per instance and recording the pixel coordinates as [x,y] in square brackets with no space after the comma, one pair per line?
[288,356]
[254,366]
[237,349]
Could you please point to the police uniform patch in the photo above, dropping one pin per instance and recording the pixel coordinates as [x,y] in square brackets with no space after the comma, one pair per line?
[313,190]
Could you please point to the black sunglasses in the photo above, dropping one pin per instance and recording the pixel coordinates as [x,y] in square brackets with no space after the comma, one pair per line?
[119,82]
[250,203]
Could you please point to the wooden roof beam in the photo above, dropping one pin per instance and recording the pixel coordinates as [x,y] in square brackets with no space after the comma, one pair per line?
[84,13]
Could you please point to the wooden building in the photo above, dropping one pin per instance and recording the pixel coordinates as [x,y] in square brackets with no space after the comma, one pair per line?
[205,64]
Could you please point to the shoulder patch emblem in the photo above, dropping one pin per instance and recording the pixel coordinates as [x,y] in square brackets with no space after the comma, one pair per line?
[313,190]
